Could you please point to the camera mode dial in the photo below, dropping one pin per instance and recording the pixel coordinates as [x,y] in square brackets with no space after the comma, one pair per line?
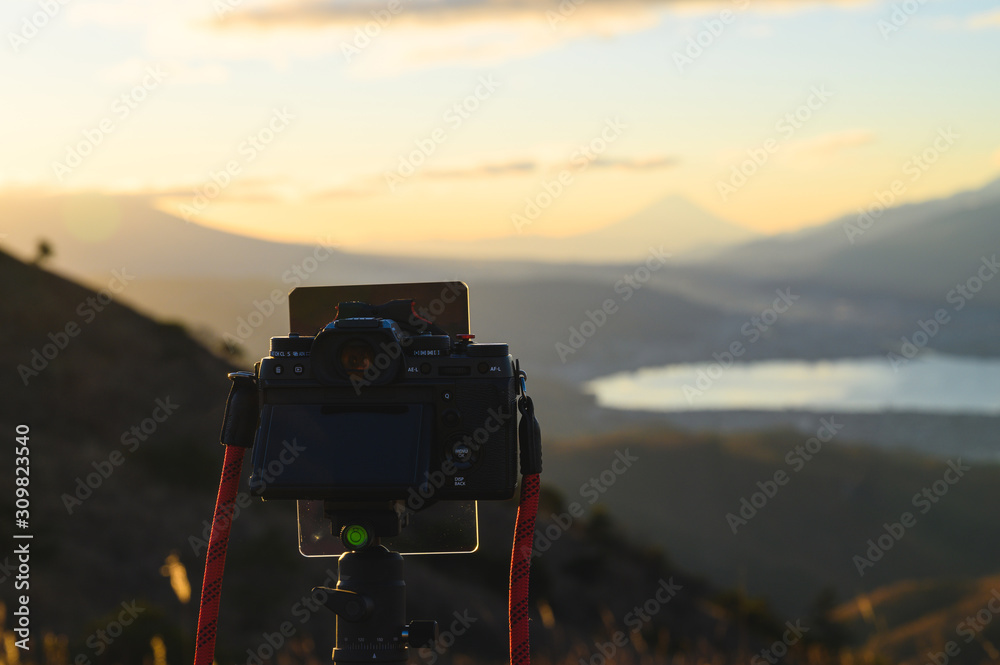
[487,350]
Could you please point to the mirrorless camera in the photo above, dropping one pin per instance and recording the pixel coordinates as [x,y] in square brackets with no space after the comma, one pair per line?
[382,404]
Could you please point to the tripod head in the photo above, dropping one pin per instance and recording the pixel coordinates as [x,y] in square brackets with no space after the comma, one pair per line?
[370,597]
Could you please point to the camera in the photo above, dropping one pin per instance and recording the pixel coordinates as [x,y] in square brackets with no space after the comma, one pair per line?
[381,404]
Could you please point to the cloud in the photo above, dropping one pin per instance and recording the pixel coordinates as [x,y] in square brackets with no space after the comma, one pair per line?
[338,193]
[427,33]
[466,33]
[645,164]
[241,190]
[424,33]
[826,146]
[316,13]
[485,170]
[528,166]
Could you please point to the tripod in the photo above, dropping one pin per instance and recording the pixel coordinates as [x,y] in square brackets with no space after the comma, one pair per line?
[370,597]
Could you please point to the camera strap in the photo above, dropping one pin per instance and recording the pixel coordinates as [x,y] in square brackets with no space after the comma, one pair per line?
[215,559]
[237,435]
[529,438]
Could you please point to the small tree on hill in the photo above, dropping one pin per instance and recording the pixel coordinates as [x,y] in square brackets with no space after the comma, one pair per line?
[44,252]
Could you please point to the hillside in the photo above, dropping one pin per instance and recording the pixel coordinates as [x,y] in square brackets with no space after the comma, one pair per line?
[674,500]
[806,536]
[914,620]
[98,547]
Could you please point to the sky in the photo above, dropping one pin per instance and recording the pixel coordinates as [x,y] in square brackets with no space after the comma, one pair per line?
[478,119]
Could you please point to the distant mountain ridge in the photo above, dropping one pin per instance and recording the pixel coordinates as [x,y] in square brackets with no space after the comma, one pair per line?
[917,251]
[673,223]
[92,231]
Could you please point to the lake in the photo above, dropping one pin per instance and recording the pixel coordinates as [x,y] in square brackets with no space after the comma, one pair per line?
[933,383]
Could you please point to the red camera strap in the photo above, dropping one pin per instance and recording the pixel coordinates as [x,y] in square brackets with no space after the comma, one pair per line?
[215,559]
[520,569]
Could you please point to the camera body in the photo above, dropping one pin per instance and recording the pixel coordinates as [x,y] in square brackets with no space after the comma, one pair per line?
[374,408]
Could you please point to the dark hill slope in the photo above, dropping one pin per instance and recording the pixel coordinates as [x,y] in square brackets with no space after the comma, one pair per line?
[110,505]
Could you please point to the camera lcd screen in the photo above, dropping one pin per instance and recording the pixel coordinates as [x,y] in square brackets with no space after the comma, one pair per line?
[375,446]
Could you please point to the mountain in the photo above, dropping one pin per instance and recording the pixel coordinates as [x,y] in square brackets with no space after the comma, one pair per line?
[94,233]
[918,251]
[673,223]
[91,231]
[682,227]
